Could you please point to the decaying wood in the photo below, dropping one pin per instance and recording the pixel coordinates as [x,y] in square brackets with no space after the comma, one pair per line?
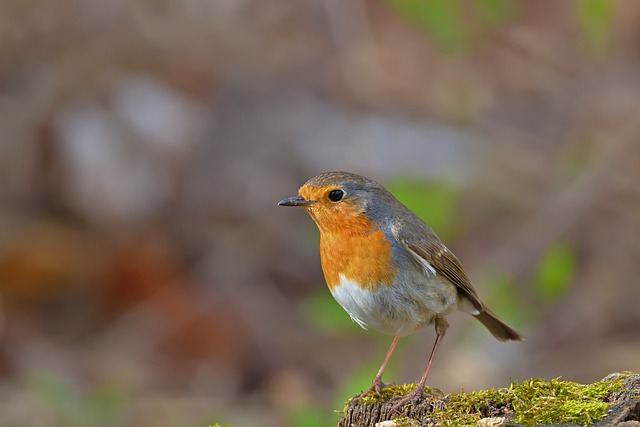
[624,412]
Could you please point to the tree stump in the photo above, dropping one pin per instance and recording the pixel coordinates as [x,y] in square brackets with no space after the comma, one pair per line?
[617,397]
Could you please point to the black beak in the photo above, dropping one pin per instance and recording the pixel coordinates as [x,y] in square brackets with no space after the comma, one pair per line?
[295,201]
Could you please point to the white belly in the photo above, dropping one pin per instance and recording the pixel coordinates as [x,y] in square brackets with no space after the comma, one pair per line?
[396,310]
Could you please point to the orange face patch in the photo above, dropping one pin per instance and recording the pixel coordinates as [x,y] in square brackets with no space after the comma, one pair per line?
[350,244]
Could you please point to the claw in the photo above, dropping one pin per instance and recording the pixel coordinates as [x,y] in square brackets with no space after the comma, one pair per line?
[376,386]
[412,397]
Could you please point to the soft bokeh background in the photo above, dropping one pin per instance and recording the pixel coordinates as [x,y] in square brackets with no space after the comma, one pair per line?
[147,276]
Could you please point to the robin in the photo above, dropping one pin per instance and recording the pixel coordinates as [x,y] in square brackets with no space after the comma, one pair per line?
[386,267]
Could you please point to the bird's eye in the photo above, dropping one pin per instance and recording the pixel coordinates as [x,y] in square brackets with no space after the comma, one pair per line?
[336,195]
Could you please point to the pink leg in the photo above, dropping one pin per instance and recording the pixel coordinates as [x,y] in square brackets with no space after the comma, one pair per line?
[377,384]
[441,328]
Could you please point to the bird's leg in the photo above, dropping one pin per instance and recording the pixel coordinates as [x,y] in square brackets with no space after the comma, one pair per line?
[441,326]
[377,384]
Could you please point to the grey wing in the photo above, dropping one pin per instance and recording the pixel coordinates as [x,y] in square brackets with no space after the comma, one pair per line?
[428,249]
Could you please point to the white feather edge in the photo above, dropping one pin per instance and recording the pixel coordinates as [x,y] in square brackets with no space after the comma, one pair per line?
[464,304]
[428,268]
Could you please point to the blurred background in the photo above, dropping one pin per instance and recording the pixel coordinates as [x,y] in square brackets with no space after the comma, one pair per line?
[147,276]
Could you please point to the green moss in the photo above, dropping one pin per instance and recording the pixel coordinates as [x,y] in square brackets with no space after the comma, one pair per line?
[396,390]
[555,401]
[462,409]
[407,422]
[531,402]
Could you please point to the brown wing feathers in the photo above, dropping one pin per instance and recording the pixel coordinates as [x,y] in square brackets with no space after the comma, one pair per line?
[446,263]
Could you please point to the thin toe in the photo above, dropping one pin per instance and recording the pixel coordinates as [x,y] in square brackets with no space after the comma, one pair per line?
[365,393]
[380,386]
[377,387]
[401,401]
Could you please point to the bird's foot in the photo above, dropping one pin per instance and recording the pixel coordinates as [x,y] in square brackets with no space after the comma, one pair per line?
[376,386]
[412,398]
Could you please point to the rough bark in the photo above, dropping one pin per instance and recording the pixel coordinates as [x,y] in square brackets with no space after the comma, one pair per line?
[624,412]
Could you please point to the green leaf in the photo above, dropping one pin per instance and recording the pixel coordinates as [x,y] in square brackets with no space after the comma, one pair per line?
[442,19]
[555,272]
[102,406]
[107,403]
[56,394]
[435,202]
[310,416]
[504,300]
[595,18]
[494,12]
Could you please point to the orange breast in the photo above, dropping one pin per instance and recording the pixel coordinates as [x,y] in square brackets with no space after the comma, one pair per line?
[357,251]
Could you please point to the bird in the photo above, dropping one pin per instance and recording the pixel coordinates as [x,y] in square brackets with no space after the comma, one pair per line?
[386,267]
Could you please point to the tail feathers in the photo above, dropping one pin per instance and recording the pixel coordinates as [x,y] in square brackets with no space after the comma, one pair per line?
[497,327]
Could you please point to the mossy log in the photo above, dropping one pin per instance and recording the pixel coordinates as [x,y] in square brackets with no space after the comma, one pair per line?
[614,401]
